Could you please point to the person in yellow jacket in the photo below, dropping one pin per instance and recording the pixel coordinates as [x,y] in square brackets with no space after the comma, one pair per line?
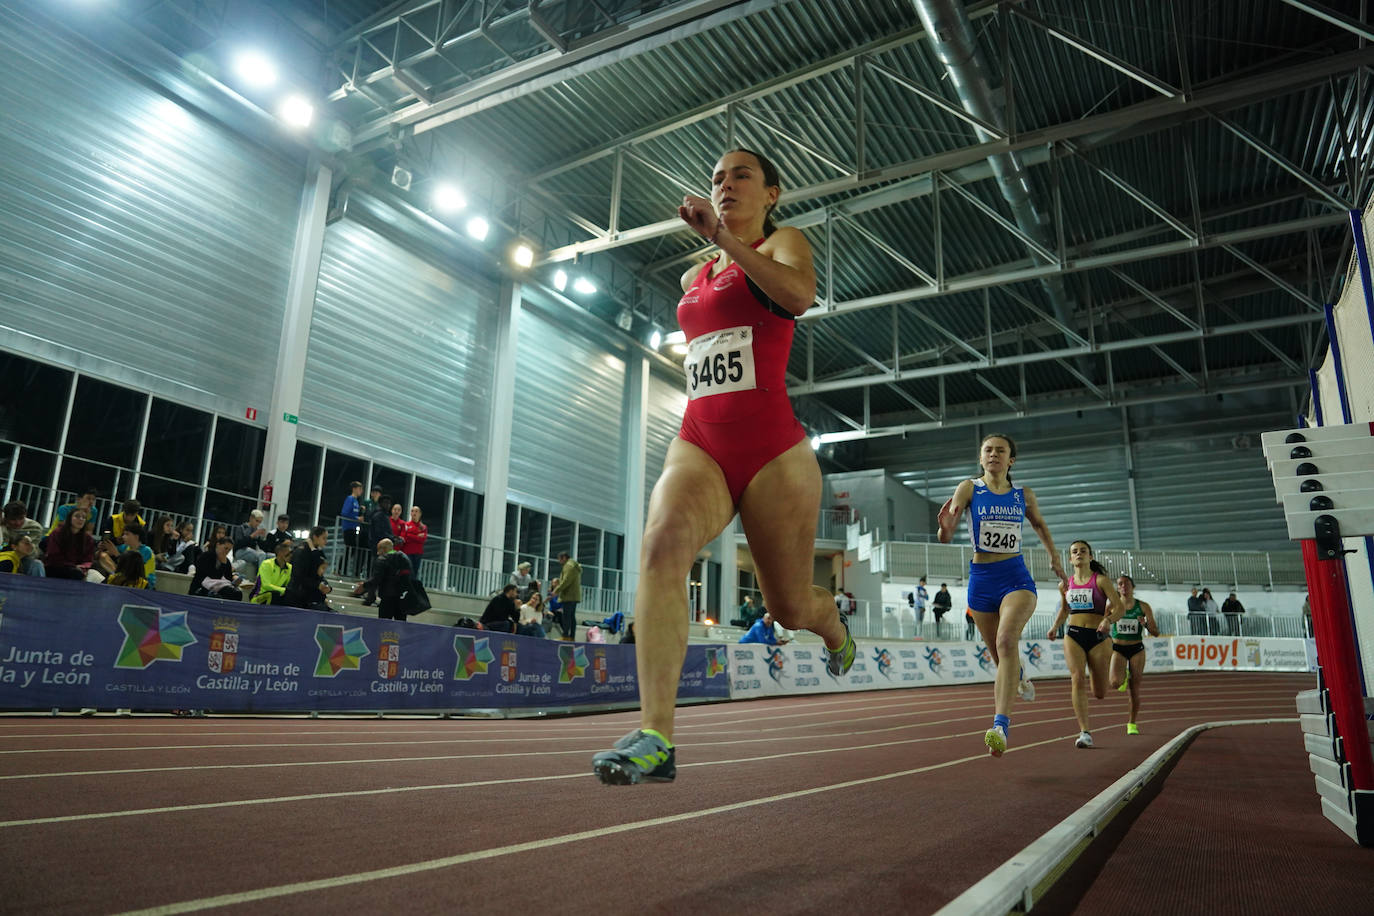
[273,576]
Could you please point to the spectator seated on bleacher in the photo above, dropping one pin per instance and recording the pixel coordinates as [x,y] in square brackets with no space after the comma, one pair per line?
[500,613]
[128,515]
[71,551]
[248,545]
[184,553]
[85,501]
[17,524]
[15,554]
[278,534]
[748,613]
[763,632]
[307,588]
[531,618]
[128,571]
[274,576]
[214,576]
[133,542]
[164,542]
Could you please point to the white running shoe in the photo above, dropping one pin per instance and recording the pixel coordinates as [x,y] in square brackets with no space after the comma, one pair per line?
[996,740]
[1025,690]
[1084,740]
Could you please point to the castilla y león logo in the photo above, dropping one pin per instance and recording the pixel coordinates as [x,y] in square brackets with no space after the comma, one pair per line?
[340,649]
[152,635]
[389,655]
[224,646]
[474,655]
[715,661]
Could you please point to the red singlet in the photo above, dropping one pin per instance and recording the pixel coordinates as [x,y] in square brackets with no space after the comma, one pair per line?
[738,344]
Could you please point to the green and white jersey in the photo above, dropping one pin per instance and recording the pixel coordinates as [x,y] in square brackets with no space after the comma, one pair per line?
[1131,626]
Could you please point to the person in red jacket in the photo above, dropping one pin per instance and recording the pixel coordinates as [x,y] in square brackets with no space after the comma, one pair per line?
[414,533]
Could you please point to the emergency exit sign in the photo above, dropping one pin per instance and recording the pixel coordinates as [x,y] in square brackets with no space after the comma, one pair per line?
[290,418]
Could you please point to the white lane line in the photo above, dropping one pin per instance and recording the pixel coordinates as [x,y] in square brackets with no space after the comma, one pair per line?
[1021,724]
[588,734]
[400,871]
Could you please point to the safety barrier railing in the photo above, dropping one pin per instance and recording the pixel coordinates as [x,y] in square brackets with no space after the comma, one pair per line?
[872,621]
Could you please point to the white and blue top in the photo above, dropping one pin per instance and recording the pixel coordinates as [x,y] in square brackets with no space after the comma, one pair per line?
[995,519]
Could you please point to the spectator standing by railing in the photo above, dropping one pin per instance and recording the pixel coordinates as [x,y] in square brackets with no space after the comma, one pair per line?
[17,524]
[919,598]
[371,533]
[1209,604]
[215,576]
[248,545]
[274,576]
[1232,608]
[1197,614]
[940,605]
[389,581]
[71,551]
[351,516]
[308,588]
[415,533]
[569,592]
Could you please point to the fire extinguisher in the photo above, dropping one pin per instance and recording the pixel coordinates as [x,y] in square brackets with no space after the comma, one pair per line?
[267,495]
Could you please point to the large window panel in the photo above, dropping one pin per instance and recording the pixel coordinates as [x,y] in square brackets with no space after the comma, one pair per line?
[305,470]
[340,470]
[176,441]
[33,414]
[236,457]
[107,421]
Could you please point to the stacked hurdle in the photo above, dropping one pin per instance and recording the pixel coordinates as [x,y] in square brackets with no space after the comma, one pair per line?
[1324,477]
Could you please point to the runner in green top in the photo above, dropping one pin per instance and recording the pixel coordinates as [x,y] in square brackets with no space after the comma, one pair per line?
[1128,646]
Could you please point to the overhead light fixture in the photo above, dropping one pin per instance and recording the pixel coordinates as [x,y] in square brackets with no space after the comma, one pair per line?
[624,320]
[449,199]
[297,111]
[523,255]
[676,337]
[584,286]
[401,177]
[560,280]
[656,339]
[255,69]
[679,348]
[478,228]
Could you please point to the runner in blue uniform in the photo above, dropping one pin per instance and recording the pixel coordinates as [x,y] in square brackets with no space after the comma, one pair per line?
[1001,592]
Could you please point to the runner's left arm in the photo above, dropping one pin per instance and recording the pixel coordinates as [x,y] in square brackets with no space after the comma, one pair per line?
[1150,624]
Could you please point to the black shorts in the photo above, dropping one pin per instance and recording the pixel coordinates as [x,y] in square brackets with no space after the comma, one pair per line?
[1088,638]
[1128,650]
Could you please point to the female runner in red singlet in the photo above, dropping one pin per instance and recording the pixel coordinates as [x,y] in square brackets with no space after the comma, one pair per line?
[740,450]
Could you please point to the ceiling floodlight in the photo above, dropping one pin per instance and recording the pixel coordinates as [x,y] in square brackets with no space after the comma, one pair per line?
[655,339]
[560,280]
[449,199]
[523,255]
[584,286]
[297,111]
[478,228]
[255,69]
[676,337]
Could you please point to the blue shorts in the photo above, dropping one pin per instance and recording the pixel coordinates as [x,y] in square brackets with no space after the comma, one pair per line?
[989,583]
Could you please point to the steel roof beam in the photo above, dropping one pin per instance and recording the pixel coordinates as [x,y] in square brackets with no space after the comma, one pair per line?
[1275,157]
[1111,346]
[1099,54]
[1338,19]
[1272,277]
[1008,274]
[1148,116]
[1124,399]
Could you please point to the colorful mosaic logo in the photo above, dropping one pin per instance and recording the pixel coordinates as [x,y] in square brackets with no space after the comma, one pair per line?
[776,660]
[389,655]
[572,663]
[224,646]
[340,649]
[715,662]
[152,635]
[474,655]
[509,669]
[934,660]
[883,659]
[1033,654]
[985,659]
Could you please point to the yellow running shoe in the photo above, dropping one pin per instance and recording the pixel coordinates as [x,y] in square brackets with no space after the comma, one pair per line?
[1131,729]
[1125,682]
[996,740]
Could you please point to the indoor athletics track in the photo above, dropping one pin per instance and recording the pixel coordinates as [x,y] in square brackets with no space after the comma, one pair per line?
[871,802]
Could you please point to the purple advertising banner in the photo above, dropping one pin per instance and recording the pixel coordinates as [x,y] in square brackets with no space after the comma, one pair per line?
[68,645]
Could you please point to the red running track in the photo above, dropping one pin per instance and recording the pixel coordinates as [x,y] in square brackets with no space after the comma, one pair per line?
[869,801]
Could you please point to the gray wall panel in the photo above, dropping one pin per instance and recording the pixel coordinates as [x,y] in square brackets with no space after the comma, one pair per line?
[666,403]
[566,453]
[398,367]
[138,241]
